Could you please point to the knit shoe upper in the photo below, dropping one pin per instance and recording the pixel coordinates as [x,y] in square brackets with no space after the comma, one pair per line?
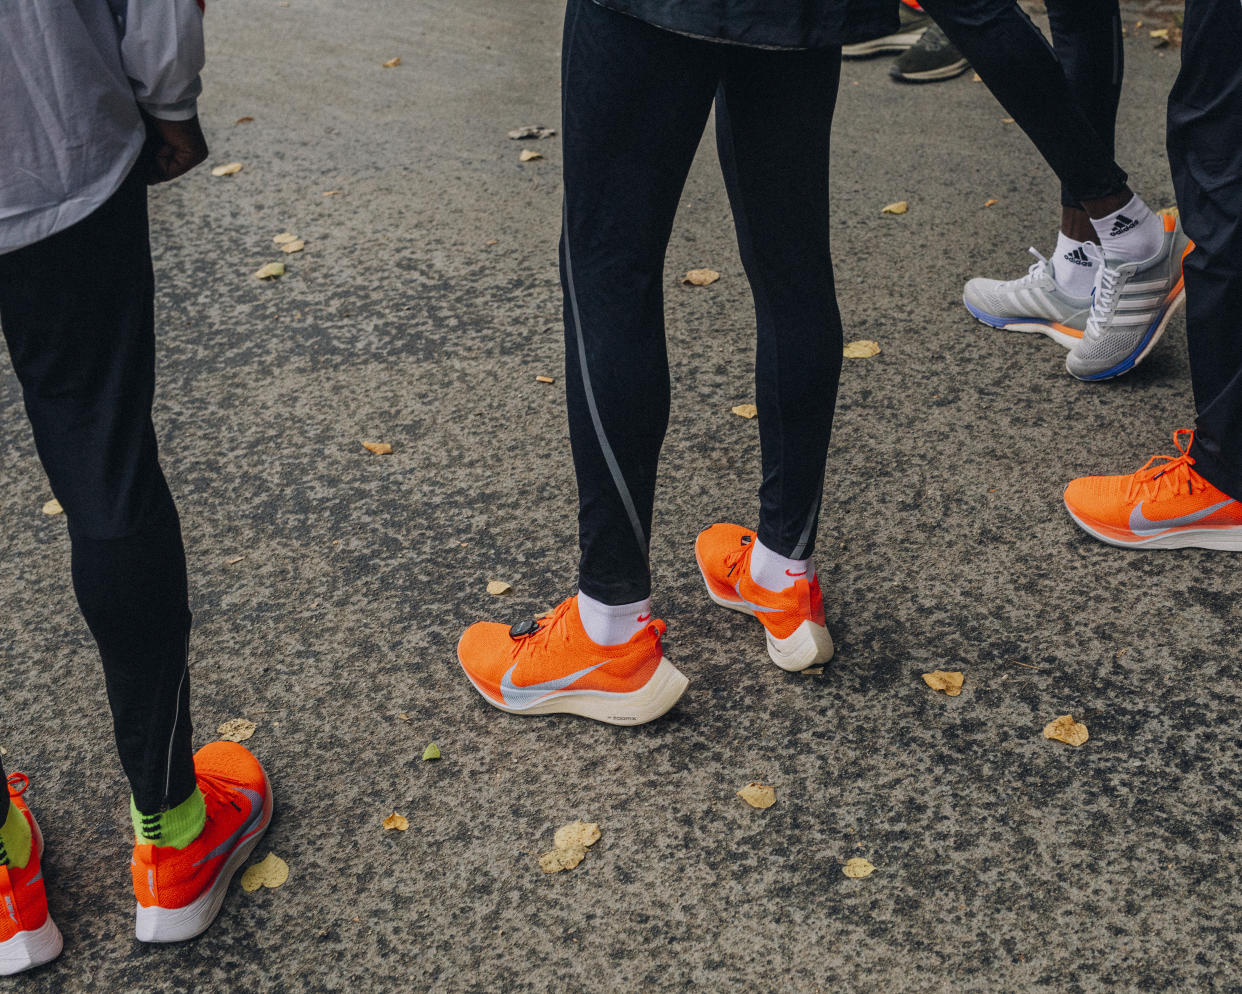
[549,665]
[179,891]
[797,634]
[28,936]
[1032,302]
[1164,505]
[1132,303]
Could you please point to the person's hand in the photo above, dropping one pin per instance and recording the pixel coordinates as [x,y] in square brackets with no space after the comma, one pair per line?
[173,148]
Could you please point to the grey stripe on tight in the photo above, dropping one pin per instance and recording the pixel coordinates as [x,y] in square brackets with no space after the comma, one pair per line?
[172,736]
[806,531]
[609,457]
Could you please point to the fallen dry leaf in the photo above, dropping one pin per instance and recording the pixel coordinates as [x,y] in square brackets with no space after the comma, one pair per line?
[758,795]
[561,859]
[862,349]
[331,193]
[811,671]
[949,682]
[977,78]
[492,241]
[544,379]
[989,203]
[900,207]
[379,448]
[1066,729]
[228,169]
[700,277]
[244,120]
[270,271]
[294,246]
[271,872]
[431,752]
[392,63]
[235,560]
[571,843]
[53,507]
[746,411]
[857,868]
[403,716]
[285,237]
[576,833]
[531,131]
[1006,120]
[396,823]
[498,587]
[236,729]
[529,155]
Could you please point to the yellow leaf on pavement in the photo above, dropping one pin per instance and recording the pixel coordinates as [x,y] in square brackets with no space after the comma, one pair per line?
[861,349]
[576,833]
[396,823]
[900,207]
[746,411]
[857,868]
[392,63]
[270,271]
[271,872]
[1066,729]
[285,237]
[294,246]
[236,729]
[228,169]
[53,507]
[758,795]
[498,587]
[379,448]
[529,155]
[561,859]
[949,682]
[700,277]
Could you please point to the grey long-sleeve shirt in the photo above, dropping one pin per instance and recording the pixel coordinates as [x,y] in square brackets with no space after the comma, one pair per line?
[73,74]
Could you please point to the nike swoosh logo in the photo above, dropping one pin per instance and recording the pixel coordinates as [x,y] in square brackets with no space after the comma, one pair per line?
[1140,524]
[256,813]
[520,698]
[644,617]
[788,573]
[751,604]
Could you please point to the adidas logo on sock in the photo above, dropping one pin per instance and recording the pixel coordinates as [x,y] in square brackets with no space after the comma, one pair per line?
[1122,224]
[1078,257]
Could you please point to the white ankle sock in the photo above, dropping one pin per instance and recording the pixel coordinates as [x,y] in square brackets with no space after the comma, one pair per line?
[1133,233]
[1072,267]
[613,624]
[774,572]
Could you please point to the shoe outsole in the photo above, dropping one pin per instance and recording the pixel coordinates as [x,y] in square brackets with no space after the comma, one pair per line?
[930,75]
[36,946]
[1221,539]
[902,41]
[809,645]
[1154,332]
[652,700]
[157,924]
[1062,336]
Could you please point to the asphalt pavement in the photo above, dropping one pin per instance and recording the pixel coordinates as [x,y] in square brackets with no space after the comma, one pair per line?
[330,585]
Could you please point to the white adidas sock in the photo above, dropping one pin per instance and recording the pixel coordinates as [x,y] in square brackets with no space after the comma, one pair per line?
[613,624]
[1133,233]
[1072,268]
[774,572]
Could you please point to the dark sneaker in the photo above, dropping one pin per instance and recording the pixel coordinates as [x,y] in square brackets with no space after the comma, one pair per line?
[933,58]
[913,24]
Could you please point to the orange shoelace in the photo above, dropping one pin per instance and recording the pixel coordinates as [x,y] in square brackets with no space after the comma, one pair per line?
[1171,473]
[18,782]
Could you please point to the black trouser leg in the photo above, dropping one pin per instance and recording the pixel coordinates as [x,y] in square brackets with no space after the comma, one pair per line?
[773,122]
[1086,35]
[1020,68]
[1205,153]
[77,311]
[635,101]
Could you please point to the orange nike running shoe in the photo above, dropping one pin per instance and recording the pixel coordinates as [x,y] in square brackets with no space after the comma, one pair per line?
[28,936]
[549,665]
[797,634]
[180,891]
[1165,505]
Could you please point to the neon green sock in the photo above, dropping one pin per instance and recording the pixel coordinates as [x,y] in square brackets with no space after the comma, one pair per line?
[15,839]
[177,827]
